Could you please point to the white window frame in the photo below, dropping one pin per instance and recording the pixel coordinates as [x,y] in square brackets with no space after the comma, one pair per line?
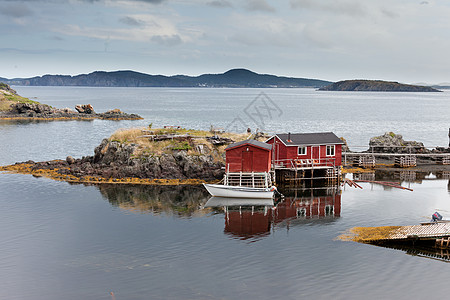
[329,147]
[305,148]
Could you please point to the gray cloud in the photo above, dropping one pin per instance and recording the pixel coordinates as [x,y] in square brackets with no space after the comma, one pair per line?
[167,40]
[152,1]
[56,38]
[220,3]
[132,21]
[388,13]
[16,11]
[259,5]
[146,1]
[348,7]
[88,1]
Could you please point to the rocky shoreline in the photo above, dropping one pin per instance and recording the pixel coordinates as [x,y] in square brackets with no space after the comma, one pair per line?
[180,156]
[36,111]
[114,162]
[130,156]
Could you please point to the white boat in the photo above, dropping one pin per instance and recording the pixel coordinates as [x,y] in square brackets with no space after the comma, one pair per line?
[230,191]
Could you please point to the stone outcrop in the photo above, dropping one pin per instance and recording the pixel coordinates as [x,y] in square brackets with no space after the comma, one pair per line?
[85,109]
[46,112]
[394,143]
[117,161]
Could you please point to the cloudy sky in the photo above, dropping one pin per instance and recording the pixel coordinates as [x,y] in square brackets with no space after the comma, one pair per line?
[401,40]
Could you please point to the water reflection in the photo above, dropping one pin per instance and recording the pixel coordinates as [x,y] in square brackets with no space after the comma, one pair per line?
[181,201]
[425,252]
[244,218]
[407,176]
[256,218]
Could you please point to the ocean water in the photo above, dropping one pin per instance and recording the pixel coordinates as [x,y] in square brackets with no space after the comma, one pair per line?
[73,241]
[356,116]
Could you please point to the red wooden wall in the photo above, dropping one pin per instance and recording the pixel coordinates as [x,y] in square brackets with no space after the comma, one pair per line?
[285,153]
[248,158]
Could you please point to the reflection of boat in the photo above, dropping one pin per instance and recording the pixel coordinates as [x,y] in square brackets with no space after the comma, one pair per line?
[222,201]
[231,191]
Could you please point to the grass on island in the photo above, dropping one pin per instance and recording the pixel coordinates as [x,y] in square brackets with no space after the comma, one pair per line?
[147,147]
[8,98]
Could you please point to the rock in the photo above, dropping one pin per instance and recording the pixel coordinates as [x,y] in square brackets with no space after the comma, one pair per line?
[345,147]
[85,109]
[394,143]
[114,111]
[70,160]
[30,108]
[115,160]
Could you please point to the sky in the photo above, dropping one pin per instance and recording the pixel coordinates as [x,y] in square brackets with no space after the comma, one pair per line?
[397,40]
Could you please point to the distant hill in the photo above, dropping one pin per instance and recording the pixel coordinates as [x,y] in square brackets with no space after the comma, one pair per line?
[231,78]
[246,78]
[375,86]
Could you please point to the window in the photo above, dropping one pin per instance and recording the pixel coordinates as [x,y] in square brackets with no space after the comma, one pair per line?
[301,150]
[301,212]
[329,210]
[330,150]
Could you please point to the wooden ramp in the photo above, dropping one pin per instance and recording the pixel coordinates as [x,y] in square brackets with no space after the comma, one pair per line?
[425,232]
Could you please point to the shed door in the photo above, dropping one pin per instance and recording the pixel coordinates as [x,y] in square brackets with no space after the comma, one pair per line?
[316,152]
[247,161]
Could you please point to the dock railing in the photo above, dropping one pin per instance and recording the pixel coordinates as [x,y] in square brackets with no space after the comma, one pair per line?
[249,179]
[297,164]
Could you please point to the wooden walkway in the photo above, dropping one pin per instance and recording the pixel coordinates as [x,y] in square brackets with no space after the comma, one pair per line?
[423,231]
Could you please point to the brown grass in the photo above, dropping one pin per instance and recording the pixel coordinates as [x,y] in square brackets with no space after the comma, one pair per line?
[368,234]
[148,147]
[6,99]
[5,105]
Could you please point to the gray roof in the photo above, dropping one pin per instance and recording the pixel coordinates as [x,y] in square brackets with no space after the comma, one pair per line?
[320,138]
[251,142]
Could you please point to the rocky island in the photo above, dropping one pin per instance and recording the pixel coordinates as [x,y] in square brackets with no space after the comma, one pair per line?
[375,86]
[15,107]
[166,156]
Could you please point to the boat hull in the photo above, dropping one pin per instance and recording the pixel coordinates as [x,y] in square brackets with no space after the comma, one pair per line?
[228,191]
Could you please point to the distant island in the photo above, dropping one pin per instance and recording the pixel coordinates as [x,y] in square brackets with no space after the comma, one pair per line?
[375,86]
[235,78]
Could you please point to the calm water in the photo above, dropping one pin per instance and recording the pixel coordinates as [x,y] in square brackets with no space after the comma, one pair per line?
[63,241]
[357,116]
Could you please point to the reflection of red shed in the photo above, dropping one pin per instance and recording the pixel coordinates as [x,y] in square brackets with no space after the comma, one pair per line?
[320,206]
[247,223]
[248,156]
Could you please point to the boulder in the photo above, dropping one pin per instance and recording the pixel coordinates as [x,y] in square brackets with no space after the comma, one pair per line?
[85,109]
[30,108]
[394,143]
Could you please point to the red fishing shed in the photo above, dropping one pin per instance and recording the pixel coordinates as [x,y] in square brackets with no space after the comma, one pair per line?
[248,156]
[322,149]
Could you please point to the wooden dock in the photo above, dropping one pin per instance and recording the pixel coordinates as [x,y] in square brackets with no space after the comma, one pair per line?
[431,230]
[437,233]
